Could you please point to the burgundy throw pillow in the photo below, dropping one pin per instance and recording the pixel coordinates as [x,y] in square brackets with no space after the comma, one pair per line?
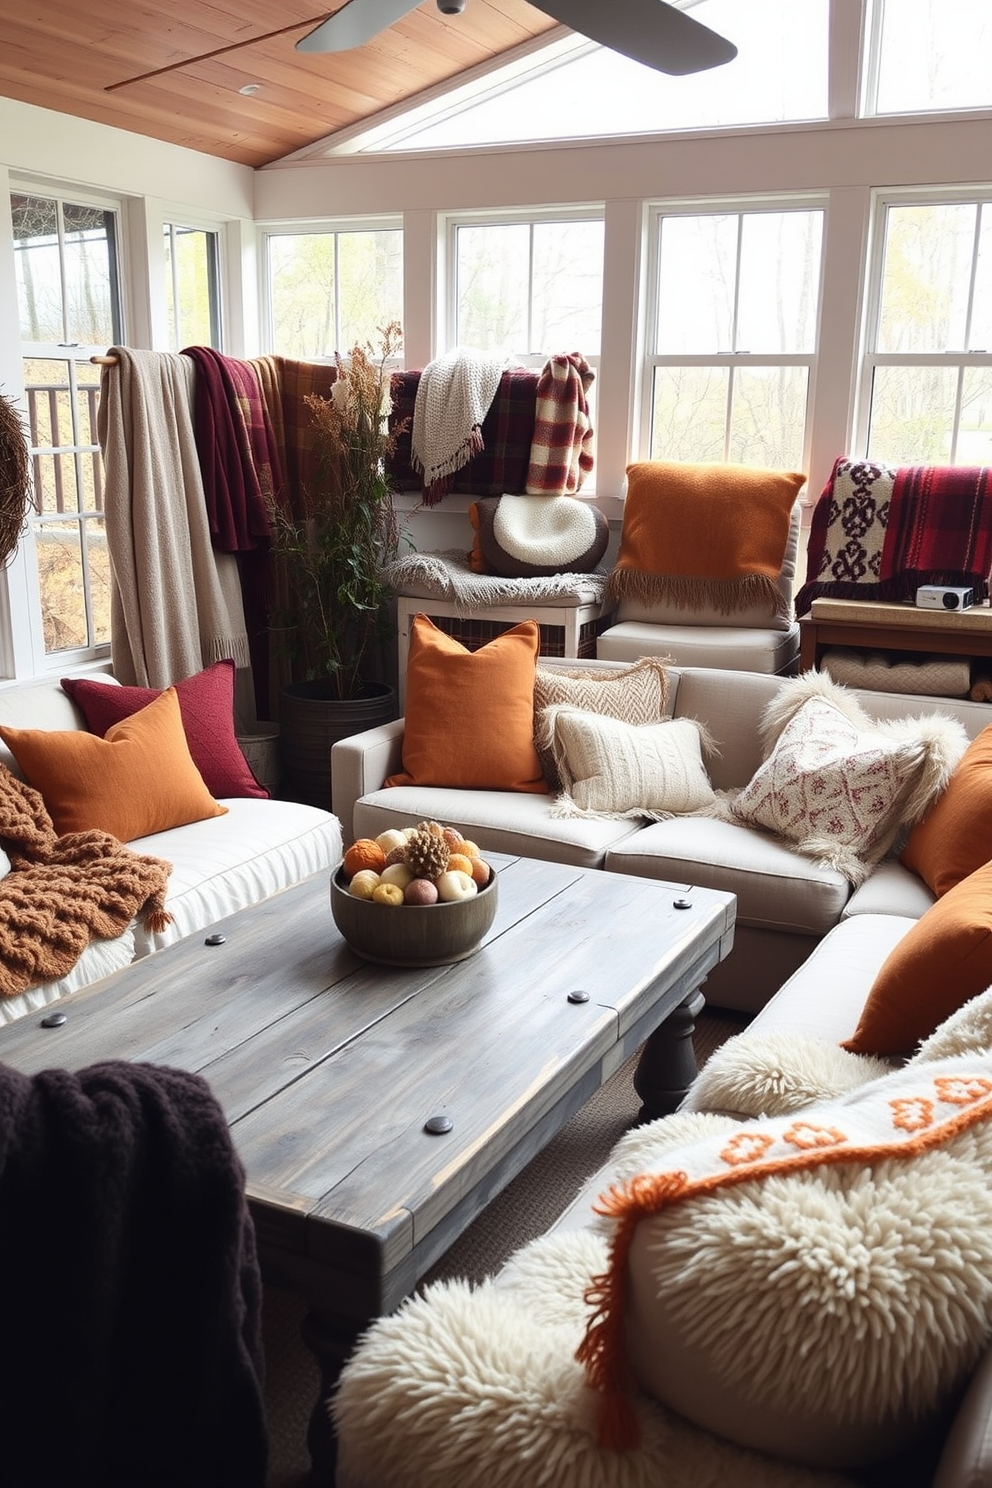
[206,703]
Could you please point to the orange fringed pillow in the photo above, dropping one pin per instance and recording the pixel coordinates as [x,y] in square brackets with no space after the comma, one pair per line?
[955,837]
[703,536]
[469,721]
[139,779]
[938,966]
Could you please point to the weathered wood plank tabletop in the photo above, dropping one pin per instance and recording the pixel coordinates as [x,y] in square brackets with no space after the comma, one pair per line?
[328,1066]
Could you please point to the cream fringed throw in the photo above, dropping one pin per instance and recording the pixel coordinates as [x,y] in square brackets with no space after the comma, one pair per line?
[64,892]
[176,603]
[704,536]
[454,395]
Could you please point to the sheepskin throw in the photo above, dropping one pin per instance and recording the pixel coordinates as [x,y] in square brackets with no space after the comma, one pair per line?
[704,536]
[454,395]
[880,531]
[815,1285]
[64,892]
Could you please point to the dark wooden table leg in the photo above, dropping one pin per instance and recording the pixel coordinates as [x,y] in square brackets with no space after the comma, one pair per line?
[331,1339]
[667,1066]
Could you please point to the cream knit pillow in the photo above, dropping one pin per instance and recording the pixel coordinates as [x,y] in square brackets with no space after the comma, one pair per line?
[638,694]
[616,769]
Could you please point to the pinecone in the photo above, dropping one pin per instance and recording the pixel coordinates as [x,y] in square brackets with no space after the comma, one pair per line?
[427,853]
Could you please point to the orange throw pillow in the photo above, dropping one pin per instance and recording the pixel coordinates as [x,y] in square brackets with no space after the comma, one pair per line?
[139,779]
[938,966]
[470,714]
[955,836]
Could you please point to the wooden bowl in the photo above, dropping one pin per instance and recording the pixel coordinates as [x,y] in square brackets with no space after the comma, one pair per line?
[409,934]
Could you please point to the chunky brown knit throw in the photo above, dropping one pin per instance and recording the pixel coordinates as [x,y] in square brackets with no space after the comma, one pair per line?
[64,892]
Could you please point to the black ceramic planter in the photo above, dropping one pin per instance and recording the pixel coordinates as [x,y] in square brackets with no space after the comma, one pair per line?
[310,722]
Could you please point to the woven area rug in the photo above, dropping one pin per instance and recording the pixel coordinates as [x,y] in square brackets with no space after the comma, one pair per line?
[524,1209]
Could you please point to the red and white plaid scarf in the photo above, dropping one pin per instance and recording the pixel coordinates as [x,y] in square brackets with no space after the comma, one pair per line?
[561,450]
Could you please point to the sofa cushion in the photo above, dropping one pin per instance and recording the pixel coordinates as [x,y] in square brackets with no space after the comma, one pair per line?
[838,786]
[638,694]
[611,768]
[206,703]
[944,959]
[139,779]
[955,836]
[221,864]
[499,821]
[470,714]
[776,888]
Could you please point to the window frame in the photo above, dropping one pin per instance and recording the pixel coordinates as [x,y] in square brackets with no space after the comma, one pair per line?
[653,359]
[23,575]
[300,227]
[871,359]
[173,223]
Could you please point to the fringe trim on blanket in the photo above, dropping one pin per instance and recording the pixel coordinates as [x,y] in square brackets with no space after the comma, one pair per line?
[447,575]
[441,476]
[234,648]
[722,595]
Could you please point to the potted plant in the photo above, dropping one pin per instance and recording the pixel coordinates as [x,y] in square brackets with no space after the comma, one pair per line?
[330,550]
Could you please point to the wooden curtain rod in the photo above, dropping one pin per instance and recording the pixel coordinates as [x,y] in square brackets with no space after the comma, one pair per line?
[105,361]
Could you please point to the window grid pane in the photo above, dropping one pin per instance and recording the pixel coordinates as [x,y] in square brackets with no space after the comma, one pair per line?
[329,290]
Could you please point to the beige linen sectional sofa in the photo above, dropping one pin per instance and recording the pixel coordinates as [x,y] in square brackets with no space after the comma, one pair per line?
[224,862]
[787,903]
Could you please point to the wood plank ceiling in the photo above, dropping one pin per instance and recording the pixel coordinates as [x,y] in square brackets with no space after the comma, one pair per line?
[92,59]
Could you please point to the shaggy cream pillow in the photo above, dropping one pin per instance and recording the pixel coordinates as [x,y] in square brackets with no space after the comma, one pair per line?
[838,786]
[816,1285]
[614,769]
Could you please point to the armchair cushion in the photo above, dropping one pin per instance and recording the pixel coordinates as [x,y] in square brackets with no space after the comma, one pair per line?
[705,537]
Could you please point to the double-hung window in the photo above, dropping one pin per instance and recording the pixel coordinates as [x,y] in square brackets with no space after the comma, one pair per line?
[328,289]
[733,316]
[528,288]
[926,389]
[192,286]
[66,262]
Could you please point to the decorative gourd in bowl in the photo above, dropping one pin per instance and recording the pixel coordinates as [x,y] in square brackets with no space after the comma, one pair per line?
[416,896]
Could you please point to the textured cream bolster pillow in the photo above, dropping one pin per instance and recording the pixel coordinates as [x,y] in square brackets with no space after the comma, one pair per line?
[611,768]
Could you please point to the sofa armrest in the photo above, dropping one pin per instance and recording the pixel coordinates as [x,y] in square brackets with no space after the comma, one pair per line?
[966,1461]
[359,765]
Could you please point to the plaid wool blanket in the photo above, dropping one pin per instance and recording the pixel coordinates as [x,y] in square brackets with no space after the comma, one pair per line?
[561,448]
[507,434]
[239,456]
[285,386]
[880,531]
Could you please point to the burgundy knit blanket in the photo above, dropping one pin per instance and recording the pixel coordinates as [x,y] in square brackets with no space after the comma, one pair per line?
[507,434]
[561,448]
[237,448]
[880,531]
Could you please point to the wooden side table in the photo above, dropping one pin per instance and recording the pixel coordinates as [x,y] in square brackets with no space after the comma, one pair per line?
[866,623]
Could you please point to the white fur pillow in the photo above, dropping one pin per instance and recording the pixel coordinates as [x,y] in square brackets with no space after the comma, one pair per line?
[839,786]
[819,1309]
[614,769]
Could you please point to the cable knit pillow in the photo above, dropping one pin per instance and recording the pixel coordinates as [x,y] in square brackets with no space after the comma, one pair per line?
[614,769]
[206,702]
[837,785]
[639,694]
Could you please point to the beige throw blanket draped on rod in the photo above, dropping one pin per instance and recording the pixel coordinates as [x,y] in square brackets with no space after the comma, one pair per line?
[176,603]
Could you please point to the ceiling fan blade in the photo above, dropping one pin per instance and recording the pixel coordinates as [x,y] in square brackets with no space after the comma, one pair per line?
[354,24]
[649,31]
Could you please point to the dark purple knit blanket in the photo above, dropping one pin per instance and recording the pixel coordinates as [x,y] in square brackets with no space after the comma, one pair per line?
[131,1307]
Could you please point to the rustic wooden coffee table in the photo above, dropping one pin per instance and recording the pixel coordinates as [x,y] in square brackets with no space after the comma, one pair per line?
[329,1067]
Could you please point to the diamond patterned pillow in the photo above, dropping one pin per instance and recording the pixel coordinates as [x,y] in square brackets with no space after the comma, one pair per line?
[839,787]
